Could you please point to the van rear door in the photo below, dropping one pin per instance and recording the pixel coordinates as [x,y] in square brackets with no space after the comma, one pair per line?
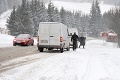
[55,34]
[44,34]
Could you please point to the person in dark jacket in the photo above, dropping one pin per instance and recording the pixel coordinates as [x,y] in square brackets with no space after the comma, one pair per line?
[82,41]
[74,39]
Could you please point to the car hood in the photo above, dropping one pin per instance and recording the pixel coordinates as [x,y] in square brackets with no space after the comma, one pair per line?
[19,39]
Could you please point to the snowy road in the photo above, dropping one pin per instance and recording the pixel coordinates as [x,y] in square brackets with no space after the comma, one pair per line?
[12,57]
[97,61]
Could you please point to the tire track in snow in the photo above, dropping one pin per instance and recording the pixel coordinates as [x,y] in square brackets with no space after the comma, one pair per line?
[12,57]
[87,71]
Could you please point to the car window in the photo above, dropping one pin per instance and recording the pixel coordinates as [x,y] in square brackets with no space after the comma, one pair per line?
[23,36]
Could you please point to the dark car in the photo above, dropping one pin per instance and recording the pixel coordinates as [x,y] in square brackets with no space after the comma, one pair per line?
[23,39]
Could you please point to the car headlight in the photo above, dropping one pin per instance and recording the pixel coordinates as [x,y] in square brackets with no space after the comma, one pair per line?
[24,41]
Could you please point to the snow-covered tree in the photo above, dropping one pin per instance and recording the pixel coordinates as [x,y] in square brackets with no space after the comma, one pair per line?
[12,23]
[39,14]
[63,16]
[51,12]
[95,22]
[22,20]
[57,16]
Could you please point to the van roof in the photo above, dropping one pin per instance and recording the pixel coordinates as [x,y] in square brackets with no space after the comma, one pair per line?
[49,22]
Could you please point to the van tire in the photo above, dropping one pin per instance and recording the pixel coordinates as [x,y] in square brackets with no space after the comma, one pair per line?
[61,50]
[68,48]
[41,49]
[49,48]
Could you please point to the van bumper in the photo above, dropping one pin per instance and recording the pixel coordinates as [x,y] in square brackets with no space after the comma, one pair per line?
[49,46]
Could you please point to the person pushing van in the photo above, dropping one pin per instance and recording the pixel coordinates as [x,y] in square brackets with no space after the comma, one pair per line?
[74,39]
[82,41]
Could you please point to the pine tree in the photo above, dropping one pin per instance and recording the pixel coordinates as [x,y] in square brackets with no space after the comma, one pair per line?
[92,21]
[12,23]
[77,17]
[63,16]
[25,19]
[57,16]
[39,14]
[51,12]
[99,17]
[22,20]
[95,23]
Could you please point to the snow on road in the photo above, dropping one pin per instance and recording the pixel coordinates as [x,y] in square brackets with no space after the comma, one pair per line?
[95,62]
[7,40]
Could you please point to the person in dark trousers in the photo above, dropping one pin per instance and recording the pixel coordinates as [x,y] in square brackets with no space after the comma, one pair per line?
[82,41]
[74,39]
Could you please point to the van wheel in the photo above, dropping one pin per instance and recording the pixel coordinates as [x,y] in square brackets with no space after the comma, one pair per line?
[41,49]
[49,48]
[61,50]
[68,48]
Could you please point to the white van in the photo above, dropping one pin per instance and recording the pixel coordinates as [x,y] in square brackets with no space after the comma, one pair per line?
[70,33]
[53,35]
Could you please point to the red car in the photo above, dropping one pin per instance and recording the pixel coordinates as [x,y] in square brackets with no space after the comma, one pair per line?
[23,39]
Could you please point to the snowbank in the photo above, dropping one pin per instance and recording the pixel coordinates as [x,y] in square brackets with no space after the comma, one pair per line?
[6,40]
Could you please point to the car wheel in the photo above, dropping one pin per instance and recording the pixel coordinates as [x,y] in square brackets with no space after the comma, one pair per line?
[27,44]
[14,44]
[32,44]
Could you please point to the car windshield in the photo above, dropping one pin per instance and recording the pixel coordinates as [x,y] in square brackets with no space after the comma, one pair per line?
[23,36]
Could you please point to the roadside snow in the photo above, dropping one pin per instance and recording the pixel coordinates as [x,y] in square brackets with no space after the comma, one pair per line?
[84,7]
[7,40]
[95,62]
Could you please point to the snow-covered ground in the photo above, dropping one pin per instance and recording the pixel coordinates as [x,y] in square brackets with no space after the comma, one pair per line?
[98,61]
[3,18]
[84,7]
[7,40]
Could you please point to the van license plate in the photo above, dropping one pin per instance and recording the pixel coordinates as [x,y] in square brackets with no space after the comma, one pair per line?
[44,41]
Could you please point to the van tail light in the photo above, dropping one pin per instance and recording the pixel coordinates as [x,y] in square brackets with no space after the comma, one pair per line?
[61,39]
[38,38]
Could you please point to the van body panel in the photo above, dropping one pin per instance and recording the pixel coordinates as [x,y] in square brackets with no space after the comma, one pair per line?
[54,34]
[44,34]
[71,31]
[49,35]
